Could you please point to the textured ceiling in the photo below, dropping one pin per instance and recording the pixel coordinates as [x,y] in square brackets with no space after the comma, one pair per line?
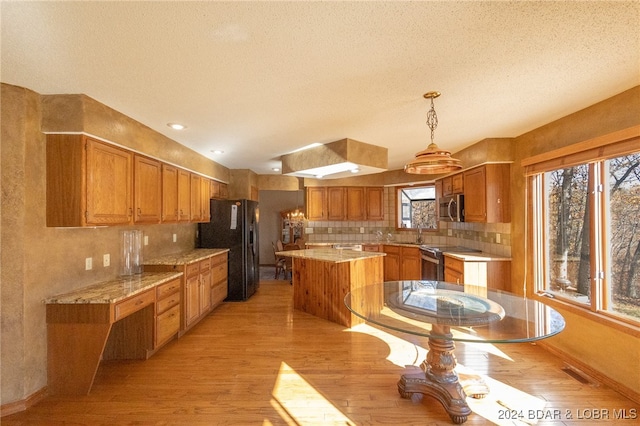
[262,79]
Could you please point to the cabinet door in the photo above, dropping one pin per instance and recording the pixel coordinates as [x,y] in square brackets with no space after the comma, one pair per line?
[457,183]
[452,276]
[192,300]
[411,264]
[206,200]
[224,191]
[447,186]
[374,201]
[356,203]
[391,263]
[184,195]
[147,177]
[205,291]
[475,204]
[336,203]
[215,189]
[196,198]
[109,183]
[316,203]
[169,193]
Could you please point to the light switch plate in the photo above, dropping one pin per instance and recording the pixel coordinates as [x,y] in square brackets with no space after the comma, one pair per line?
[175,238]
[106,260]
[88,264]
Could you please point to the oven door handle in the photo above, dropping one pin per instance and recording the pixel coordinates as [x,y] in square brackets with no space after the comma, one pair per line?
[449,209]
[429,259]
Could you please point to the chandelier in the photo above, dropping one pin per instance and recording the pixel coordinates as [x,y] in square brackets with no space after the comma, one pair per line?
[296,217]
[432,160]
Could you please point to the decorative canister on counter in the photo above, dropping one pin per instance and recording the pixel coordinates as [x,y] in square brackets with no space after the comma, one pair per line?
[131,252]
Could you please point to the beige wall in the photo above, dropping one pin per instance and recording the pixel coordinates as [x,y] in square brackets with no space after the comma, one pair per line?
[39,262]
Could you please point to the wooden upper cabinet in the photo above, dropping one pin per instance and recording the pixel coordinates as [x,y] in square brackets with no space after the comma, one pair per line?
[487,194]
[457,183]
[374,203]
[89,182]
[205,195]
[196,198]
[452,184]
[224,191]
[214,189]
[147,177]
[169,193]
[184,195]
[316,203]
[356,206]
[336,203]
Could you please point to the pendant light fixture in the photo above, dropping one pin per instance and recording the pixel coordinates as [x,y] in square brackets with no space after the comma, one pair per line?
[432,160]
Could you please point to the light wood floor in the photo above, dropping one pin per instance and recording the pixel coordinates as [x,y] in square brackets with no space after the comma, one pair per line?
[261,362]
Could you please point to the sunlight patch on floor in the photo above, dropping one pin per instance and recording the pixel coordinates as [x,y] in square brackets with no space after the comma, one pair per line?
[298,402]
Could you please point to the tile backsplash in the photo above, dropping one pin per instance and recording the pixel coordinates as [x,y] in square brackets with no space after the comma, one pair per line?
[494,238]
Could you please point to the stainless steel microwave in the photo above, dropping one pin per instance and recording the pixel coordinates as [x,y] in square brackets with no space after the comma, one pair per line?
[451,208]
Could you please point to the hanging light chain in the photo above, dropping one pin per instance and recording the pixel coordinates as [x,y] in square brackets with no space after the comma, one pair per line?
[432,118]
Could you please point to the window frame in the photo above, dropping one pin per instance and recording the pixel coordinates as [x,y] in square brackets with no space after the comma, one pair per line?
[594,153]
[398,205]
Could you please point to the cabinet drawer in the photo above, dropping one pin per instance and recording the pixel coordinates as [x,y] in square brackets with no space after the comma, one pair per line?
[218,292]
[454,264]
[193,269]
[219,273]
[133,304]
[168,302]
[166,289]
[371,247]
[391,249]
[216,260]
[205,265]
[167,324]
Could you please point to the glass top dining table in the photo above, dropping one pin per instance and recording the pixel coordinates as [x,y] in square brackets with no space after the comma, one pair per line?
[446,313]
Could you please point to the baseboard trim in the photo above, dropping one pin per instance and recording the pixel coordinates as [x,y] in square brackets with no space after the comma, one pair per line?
[597,375]
[23,404]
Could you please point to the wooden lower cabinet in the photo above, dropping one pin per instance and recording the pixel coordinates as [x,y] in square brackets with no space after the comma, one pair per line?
[167,312]
[219,279]
[402,263]
[488,274]
[204,287]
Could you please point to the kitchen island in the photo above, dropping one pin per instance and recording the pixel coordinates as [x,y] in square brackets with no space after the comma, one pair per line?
[321,279]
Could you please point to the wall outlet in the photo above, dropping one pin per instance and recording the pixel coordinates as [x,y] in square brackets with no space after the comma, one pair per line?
[449,232]
[362,229]
[106,260]
[146,240]
[330,230]
[175,238]
[497,238]
[88,264]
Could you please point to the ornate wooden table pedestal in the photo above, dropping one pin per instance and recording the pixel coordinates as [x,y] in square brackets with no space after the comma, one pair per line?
[431,309]
[440,380]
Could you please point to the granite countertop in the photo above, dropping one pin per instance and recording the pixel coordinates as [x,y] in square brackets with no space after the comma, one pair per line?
[115,290]
[185,258]
[476,257]
[330,255]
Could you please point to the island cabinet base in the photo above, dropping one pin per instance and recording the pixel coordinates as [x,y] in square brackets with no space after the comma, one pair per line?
[319,287]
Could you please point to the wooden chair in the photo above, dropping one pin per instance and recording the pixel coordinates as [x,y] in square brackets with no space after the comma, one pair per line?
[288,264]
[280,261]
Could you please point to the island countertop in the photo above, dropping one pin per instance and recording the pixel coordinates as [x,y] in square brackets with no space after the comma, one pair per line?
[330,255]
[185,258]
[114,290]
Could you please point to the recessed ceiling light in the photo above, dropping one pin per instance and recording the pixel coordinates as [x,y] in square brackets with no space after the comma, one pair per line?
[177,126]
[276,169]
[217,151]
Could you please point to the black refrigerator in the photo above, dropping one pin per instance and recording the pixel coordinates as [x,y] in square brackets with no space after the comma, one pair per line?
[234,225]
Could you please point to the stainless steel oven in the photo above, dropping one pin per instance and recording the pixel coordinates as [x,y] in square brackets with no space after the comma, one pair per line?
[433,260]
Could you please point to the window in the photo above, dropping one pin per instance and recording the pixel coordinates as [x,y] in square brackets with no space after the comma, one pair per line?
[417,207]
[586,229]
